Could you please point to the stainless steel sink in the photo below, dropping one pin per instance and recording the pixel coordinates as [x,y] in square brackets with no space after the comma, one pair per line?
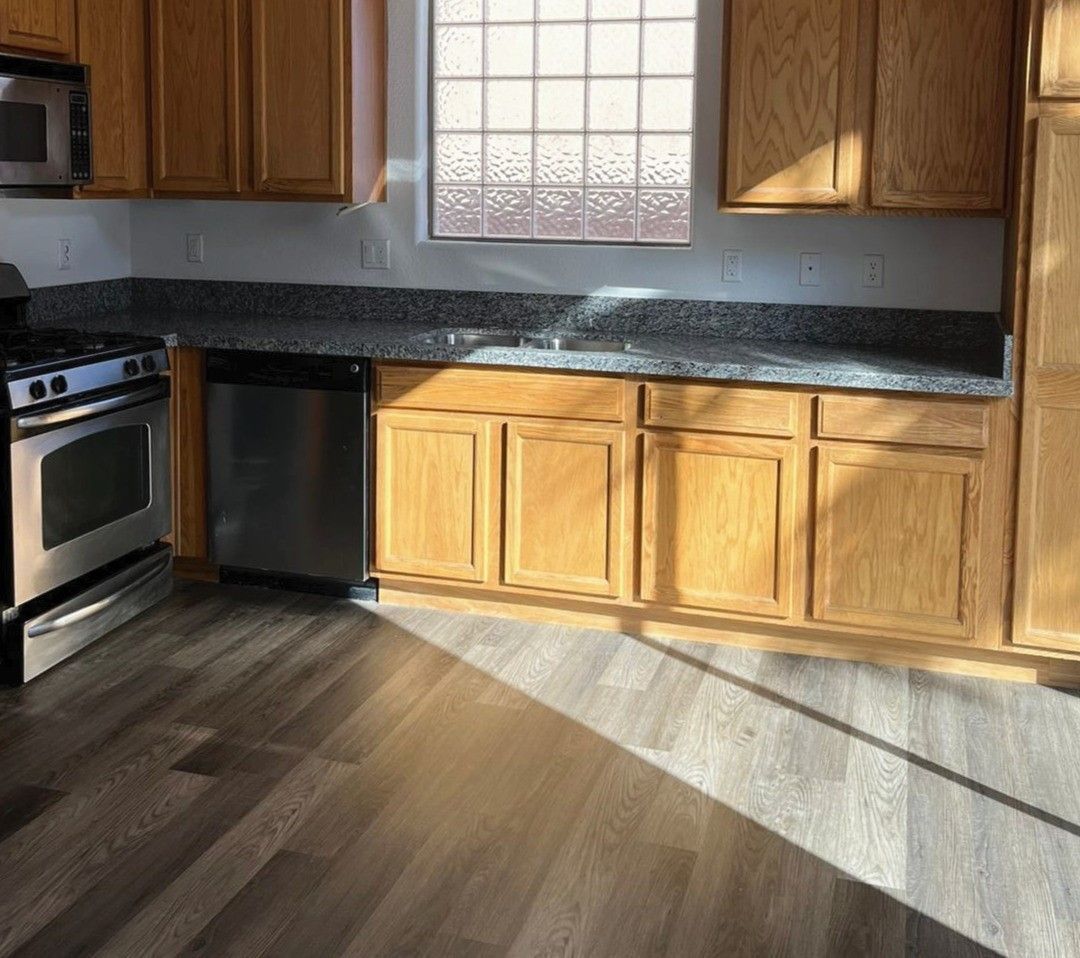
[572,345]
[477,340]
[480,340]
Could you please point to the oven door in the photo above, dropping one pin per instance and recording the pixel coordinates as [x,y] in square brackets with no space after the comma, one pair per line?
[88,487]
[35,133]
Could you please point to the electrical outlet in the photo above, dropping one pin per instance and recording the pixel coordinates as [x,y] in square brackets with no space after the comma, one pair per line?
[196,248]
[873,270]
[732,272]
[810,269]
[63,254]
[376,254]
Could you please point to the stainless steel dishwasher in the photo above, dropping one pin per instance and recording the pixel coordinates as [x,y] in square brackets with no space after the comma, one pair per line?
[288,454]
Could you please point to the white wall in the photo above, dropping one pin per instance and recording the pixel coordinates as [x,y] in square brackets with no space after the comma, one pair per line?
[99,230]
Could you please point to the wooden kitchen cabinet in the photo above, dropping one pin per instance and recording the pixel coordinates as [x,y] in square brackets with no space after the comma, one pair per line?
[941,116]
[44,27]
[112,40]
[269,99]
[195,84]
[433,495]
[897,540]
[857,107]
[1060,68]
[791,102]
[187,370]
[564,528]
[718,523]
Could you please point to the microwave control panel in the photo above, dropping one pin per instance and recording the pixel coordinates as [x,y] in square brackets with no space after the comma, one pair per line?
[80,137]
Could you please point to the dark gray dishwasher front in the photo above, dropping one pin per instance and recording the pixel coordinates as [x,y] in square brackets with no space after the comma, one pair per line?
[288,452]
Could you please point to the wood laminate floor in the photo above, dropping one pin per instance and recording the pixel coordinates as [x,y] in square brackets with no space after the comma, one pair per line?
[252,773]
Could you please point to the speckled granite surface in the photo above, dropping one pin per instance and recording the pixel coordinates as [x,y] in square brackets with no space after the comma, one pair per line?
[953,353]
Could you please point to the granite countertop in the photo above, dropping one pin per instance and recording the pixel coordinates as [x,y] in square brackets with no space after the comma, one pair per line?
[841,347]
[673,355]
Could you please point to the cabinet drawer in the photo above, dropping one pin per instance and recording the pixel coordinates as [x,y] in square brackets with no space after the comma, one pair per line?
[720,409]
[500,393]
[913,422]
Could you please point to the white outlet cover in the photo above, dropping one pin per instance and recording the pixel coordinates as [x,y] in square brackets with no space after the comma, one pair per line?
[732,266]
[873,271]
[376,254]
[195,248]
[63,254]
[810,269]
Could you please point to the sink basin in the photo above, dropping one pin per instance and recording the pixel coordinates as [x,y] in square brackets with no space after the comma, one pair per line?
[571,345]
[477,340]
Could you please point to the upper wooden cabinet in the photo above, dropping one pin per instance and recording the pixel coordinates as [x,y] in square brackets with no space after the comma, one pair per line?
[1060,69]
[195,79]
[851,106]
[270,97]
[941,117]
[791,102]
[112,40]
[39,26]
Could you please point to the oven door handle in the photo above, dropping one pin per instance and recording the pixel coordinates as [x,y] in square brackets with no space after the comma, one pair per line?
[94,608]
[112,403]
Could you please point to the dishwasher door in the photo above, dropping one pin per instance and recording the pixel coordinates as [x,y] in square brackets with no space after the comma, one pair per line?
[288,488]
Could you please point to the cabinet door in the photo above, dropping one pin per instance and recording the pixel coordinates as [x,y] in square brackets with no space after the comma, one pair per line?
[1047,608]
[1060,68]
[299,88]
[564,508]
[40,26]
[112,40]
[718,523]
[791,102]
[195,82]
[941,119]
[432,481]
[896,541]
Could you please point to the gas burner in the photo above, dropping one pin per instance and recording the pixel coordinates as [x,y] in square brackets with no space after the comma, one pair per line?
[26,348]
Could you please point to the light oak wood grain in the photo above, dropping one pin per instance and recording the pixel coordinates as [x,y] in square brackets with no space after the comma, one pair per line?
[1060,66]
[113,41]
[728,409]
[564,508]
[941,114]
[918,422]
[433,493]
[895,540]
[791,102]
[39,26]
[195,84]
[718,523]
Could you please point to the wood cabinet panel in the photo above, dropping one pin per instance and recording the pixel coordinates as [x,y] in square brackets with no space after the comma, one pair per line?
[942,103]
[893,419]
[195,80]
[112,40]
[188,414]
[718,523]
[896,541]
[39,26]
[1060,67]
[1047,606]
[791,102]
[721,409]
[299,87]
[564,508]
[432,480]
[500,392]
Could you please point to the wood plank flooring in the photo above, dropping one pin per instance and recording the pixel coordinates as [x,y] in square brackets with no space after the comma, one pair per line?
[250,773]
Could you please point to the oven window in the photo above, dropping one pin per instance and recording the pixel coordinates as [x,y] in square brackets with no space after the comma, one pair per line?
[93,482]
[23,137]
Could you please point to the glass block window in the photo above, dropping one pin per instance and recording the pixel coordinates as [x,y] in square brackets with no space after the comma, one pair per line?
[563,120]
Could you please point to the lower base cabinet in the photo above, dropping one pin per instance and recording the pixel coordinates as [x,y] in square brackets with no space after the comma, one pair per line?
[896,540]
[718,523]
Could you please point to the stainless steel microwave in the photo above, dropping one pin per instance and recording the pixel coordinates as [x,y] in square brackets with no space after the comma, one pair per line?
[44,124]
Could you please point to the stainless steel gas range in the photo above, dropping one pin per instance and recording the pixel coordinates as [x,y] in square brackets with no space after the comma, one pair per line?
[84,482]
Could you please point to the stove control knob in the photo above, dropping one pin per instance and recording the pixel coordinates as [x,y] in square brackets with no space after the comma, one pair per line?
[131,367]
[149,364]
[59,385]
[38,390]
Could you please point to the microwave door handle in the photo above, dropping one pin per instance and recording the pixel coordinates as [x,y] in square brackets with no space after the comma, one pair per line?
[58,416]
[94,608]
